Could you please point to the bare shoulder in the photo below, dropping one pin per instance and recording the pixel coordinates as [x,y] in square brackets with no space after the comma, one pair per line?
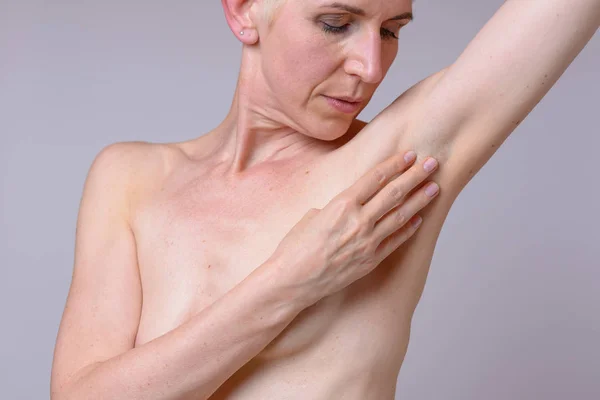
[105,275]
[132,170]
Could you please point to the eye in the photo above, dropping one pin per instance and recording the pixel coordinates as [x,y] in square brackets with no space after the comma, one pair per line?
[335,29]
[387,34]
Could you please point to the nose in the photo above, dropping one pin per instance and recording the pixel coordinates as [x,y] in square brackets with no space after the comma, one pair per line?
[364,59]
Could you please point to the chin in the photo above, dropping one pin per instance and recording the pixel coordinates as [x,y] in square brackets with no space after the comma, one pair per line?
[329,129]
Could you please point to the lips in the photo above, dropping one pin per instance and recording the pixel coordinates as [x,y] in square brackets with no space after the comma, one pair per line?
[342,104]
[347,99]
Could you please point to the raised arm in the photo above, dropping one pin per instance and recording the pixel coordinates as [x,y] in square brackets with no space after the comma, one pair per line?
[464,113]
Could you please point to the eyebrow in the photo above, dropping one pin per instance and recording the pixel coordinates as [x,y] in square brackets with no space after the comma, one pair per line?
[359,11]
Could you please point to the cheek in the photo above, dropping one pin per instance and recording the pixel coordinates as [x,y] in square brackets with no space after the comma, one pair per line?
[387,60]
[389,56]
[298,66]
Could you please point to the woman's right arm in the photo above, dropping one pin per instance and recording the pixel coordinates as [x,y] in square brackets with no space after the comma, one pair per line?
[199,355]
[326,251]
[95,356]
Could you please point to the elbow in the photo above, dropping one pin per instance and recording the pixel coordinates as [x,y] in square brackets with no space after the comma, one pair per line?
[64,389]
[62,392]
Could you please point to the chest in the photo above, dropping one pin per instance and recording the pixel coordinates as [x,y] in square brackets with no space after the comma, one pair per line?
[198,238]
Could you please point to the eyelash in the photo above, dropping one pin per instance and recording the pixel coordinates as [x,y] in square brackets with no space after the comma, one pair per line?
[385,33]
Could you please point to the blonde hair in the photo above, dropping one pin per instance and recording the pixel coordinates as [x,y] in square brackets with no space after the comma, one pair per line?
[270,8]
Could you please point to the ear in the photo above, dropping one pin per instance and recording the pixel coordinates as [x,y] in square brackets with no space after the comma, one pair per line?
[239,15]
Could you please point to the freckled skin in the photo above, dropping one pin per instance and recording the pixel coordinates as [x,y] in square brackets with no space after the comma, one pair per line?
[264,166]
[196,218]
[297,62]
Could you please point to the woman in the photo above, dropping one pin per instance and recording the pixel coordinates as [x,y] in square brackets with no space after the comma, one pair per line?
[193,277]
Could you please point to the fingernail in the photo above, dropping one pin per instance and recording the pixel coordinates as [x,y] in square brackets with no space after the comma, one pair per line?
[432,189]
[430,165]
[410,156]
[417,221]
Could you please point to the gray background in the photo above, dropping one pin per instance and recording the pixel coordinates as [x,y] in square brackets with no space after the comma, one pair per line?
[510,310]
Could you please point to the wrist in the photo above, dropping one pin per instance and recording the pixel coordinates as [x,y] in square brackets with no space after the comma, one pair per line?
[284,296]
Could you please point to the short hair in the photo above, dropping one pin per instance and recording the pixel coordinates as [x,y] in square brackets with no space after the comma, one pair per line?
[270,8]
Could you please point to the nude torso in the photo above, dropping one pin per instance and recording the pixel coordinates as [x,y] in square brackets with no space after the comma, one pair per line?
[198,236]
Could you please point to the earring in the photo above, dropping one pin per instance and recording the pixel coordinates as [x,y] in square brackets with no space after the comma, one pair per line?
[242,33]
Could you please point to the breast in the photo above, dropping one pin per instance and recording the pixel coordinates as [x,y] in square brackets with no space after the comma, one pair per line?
[196,243]
[180,277]
[198,239]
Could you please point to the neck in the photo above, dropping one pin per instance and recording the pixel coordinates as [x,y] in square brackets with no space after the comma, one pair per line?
[255,131]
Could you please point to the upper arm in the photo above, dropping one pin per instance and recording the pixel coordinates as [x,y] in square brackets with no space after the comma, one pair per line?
[466,112]
[103,306]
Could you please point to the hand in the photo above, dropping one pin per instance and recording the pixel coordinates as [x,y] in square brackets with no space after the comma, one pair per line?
[329,249]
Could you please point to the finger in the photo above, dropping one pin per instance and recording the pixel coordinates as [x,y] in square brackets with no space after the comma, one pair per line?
[379,176]
[396,239]
[399,216]
[396,191]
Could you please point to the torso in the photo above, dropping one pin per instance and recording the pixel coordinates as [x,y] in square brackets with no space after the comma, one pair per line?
[198,236]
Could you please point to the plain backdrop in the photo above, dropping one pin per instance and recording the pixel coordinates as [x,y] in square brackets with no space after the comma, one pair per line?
[511,306]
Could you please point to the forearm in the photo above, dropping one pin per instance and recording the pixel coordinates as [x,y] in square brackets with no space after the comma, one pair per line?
[200,355]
